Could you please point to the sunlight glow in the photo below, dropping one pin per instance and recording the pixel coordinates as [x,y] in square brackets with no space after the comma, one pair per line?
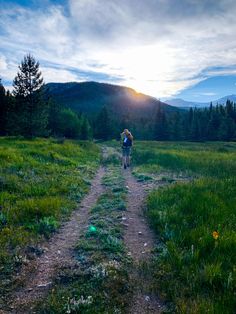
[147,69]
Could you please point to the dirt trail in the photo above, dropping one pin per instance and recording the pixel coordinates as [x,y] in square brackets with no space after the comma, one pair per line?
[140,240]
[37,276]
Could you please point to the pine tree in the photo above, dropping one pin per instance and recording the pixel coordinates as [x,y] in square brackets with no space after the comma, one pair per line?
[195,131]
[161,129]
[227,130]
[85,131]
[176,127]
[5,105]
[2,108]
[54,118]
[102,125]
[213,124]
[68,124]
[229,108]
[31,110]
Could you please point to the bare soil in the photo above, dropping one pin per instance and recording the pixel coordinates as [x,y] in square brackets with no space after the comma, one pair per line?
[36,277]
[140,241]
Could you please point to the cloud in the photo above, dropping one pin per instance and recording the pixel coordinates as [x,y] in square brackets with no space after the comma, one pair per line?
[155,46]
[3,63]
[208,94]
[53,75]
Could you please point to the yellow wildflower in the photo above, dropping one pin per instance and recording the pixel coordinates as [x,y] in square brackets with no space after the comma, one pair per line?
[215,235]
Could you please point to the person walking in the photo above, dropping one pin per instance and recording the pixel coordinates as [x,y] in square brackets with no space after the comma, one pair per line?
[127,142]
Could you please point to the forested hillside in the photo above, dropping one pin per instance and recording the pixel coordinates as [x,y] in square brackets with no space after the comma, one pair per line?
[97,110]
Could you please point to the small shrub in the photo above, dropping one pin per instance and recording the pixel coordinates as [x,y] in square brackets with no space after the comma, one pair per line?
[3,220]
[45,226]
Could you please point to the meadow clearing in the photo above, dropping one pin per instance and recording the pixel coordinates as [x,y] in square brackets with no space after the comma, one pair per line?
[192,268]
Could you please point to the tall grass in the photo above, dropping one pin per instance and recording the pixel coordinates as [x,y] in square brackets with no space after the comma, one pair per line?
[41,181]
[207,159]
[196,221]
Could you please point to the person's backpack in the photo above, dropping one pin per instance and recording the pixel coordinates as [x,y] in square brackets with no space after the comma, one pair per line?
[127,143]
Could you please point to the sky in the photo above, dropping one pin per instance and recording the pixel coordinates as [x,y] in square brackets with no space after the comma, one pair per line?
[164,48]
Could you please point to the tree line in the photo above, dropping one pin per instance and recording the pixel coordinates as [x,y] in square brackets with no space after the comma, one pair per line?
[216,123]
[30,112]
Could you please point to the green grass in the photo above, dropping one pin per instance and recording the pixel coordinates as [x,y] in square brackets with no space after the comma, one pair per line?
[100,284]
[41,182]
[193,270]
[207,159]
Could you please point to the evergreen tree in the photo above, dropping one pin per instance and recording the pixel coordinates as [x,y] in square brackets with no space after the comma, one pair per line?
[227,130]
[187,124]
[229,109]
[85,131]
[102,125]
[176,127]
[161,130]
[54,118]
[3,109]
[195,131]
[234,112]
[68,124]
[213,124]
[31,110]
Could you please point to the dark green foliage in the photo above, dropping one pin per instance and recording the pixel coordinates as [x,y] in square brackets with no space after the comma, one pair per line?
[2,109]
[28,79]
[63,122]
[85,130]
[161,126]
[77,110]
[103,125]
[213,123]
[146,117]
[126,108]
[5,101]
[176,128]
[30,110]
[68,124]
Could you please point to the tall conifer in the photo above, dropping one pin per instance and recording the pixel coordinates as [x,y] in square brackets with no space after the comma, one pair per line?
[31,110]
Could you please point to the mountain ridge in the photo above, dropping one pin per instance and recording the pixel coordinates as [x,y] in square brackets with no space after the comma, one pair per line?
[90,97]
[181,103]
[126,108]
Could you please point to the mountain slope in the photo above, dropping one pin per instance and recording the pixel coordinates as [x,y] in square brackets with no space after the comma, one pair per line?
[90,97]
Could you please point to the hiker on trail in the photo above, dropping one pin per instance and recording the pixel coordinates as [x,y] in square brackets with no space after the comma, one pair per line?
[127,142]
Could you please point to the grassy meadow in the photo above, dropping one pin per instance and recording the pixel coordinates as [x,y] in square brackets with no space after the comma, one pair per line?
[41,182]
[196,223]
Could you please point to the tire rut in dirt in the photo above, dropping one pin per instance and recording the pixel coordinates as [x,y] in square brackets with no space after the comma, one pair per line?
[37,277]
[140,241]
